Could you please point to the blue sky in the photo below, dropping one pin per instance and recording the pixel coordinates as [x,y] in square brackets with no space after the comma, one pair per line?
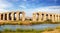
[30,6]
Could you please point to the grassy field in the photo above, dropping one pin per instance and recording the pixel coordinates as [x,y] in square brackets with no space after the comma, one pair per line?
[46,30]
[26,22]
[21,32]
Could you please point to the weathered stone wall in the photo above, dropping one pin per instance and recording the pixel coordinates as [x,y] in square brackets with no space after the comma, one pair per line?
[42,16]
[12,16]
[37,16]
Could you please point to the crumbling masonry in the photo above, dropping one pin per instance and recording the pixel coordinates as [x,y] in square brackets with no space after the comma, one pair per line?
[43,16]
[37,16]
[12,16]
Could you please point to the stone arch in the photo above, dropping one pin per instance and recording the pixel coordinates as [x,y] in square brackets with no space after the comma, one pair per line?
[37,16]
[5,16]
[47,17]
[59,17]
[54,17]
[42,16]
[51,16]
[9,16]
[1,16]
[34,17]
[14,15]
[20,16]
[23,16]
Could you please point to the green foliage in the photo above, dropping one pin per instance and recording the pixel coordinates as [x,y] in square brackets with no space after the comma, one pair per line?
[21,24]
[58,27]
[19,30]
[25,30]
[48,29]
[48,21]
[0,31]
[30,30]
[22,30]
[8,30]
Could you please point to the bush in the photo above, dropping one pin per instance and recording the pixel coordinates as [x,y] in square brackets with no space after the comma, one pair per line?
[58,27]
[18,30]
[0,31]
[48,29]
[48,21]
[8,30]
[25,30]
[21,23]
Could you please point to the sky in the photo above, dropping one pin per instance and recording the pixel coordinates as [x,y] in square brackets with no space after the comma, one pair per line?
[30,6]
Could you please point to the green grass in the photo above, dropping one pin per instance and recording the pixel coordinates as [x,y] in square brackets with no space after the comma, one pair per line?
[58,27]
[22,32]
[18,30]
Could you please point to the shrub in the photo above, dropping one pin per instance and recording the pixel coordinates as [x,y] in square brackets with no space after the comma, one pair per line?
[8,30]
[18,29]
[0,31]
[48,29]
[58,27]
[48,21]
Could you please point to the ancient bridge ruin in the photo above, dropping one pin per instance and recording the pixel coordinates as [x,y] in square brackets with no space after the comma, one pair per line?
[37,16]
[42,16]
[12,16]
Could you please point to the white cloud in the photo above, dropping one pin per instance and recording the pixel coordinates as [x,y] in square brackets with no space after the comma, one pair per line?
[22,6]
[49,9]
[52,9]
[3,10]
[5,4]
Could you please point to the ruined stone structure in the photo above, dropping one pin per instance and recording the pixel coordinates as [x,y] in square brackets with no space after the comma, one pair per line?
[12,16]
[37,16]
[43,16]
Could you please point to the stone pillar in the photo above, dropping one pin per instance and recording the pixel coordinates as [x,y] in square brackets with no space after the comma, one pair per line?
[44,18]
[55,18]
[58,17]
[17,15]
[12,16]
[40,16]
[34,17]
[7,16]
[0,16]
[23,16]
[3,16]
[49,16]
[52,17]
